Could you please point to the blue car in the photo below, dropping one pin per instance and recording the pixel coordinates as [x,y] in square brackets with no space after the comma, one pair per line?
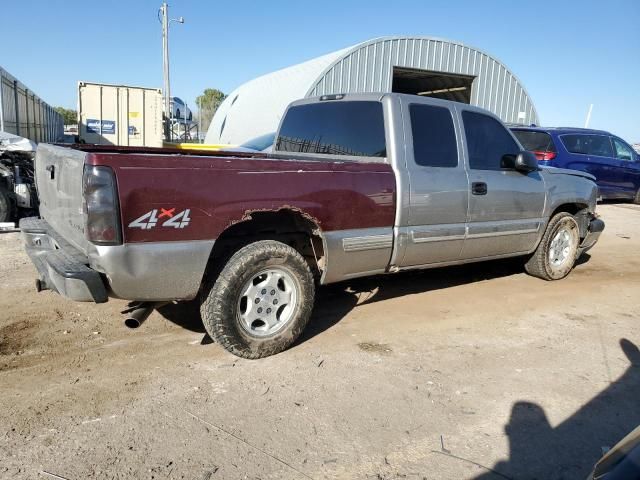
[610,159]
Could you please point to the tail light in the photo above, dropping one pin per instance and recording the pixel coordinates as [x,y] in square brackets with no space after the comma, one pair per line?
[545,155]
[101,206]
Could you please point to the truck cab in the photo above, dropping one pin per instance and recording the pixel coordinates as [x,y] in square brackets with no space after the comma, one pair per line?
[459,194]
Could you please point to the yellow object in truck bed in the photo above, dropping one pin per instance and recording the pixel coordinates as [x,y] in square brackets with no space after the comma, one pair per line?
[197,146]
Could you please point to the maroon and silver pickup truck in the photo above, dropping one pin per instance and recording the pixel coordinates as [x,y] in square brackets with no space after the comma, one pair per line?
[356,185]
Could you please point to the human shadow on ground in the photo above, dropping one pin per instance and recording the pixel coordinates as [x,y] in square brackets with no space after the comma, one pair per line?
[570,450]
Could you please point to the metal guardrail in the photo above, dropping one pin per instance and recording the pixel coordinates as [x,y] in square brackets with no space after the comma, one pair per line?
[25,114]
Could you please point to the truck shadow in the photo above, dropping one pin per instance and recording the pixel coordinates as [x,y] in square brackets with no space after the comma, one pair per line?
[570,450]
[334,302]
[184,314]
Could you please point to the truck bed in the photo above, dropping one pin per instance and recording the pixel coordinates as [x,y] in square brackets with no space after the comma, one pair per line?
[218,189]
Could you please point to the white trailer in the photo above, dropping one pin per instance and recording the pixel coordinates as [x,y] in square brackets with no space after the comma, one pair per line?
[119,115]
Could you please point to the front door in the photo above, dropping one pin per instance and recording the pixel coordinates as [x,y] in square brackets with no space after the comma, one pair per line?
[505,206]
[438,184]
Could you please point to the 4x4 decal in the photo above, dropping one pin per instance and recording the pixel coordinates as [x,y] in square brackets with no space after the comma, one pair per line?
[150,219]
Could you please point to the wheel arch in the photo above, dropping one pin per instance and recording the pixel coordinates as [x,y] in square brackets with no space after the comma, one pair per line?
[287,225]
[579,209]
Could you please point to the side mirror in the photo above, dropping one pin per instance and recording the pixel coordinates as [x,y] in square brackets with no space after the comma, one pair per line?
[526,162]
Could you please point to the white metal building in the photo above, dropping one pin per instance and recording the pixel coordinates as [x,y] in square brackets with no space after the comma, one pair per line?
[417,65]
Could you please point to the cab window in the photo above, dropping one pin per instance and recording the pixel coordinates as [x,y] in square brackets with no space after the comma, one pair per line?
[353,128]
[434,137]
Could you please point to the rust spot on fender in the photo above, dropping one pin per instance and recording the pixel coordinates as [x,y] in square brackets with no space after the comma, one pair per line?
[248,214]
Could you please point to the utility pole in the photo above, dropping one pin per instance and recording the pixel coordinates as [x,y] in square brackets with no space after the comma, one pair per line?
[588,119]
[164,11]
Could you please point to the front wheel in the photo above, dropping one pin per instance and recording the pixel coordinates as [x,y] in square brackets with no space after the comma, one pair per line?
[261,301]
[557,252]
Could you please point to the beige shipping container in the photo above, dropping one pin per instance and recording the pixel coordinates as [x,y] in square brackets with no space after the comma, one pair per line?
[119,115]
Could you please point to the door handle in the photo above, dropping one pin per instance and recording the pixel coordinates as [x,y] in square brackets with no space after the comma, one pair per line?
[479,188]
[52,171]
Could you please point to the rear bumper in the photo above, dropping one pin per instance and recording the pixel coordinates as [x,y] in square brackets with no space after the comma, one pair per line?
[596,227]
[61,267]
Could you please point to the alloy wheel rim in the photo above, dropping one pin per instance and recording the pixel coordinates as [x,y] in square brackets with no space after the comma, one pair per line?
[267,302]
[561,247]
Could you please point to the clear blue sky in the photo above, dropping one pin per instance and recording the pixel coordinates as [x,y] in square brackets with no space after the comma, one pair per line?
[568,54]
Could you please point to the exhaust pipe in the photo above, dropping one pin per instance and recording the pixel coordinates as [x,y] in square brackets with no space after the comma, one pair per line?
[138,312]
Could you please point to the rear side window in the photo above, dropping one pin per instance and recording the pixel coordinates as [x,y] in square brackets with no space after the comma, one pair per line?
[535,141]
[597,145]
[335,128]
[487,141]
[434,137]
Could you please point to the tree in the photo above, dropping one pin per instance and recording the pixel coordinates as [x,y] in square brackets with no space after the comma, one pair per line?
[208,103]
[69,116]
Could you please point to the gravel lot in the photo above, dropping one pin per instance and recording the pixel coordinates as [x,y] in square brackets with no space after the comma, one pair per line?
[470,372]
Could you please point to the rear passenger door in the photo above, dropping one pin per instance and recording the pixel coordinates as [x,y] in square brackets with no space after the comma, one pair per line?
[605,165]
[505,206]
[438,185]
[593,154]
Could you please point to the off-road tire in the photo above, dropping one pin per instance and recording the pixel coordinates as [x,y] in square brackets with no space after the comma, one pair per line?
[6,206]
[539,264]
[220,299]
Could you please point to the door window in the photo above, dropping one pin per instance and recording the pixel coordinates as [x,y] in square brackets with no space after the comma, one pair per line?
[600,146]
[434,137]
[623,151]
[487,141]
[596,145]
[576,143]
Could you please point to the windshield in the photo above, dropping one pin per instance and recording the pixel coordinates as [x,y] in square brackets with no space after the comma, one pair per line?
[261,142]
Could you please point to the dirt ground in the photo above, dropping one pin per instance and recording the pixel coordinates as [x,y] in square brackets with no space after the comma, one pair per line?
[474,372]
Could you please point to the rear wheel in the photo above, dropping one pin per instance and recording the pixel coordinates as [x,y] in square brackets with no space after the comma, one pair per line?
[6,209]
[557,252]
[261,301]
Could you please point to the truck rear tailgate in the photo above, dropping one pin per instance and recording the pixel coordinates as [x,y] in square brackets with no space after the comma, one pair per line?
[59,172]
